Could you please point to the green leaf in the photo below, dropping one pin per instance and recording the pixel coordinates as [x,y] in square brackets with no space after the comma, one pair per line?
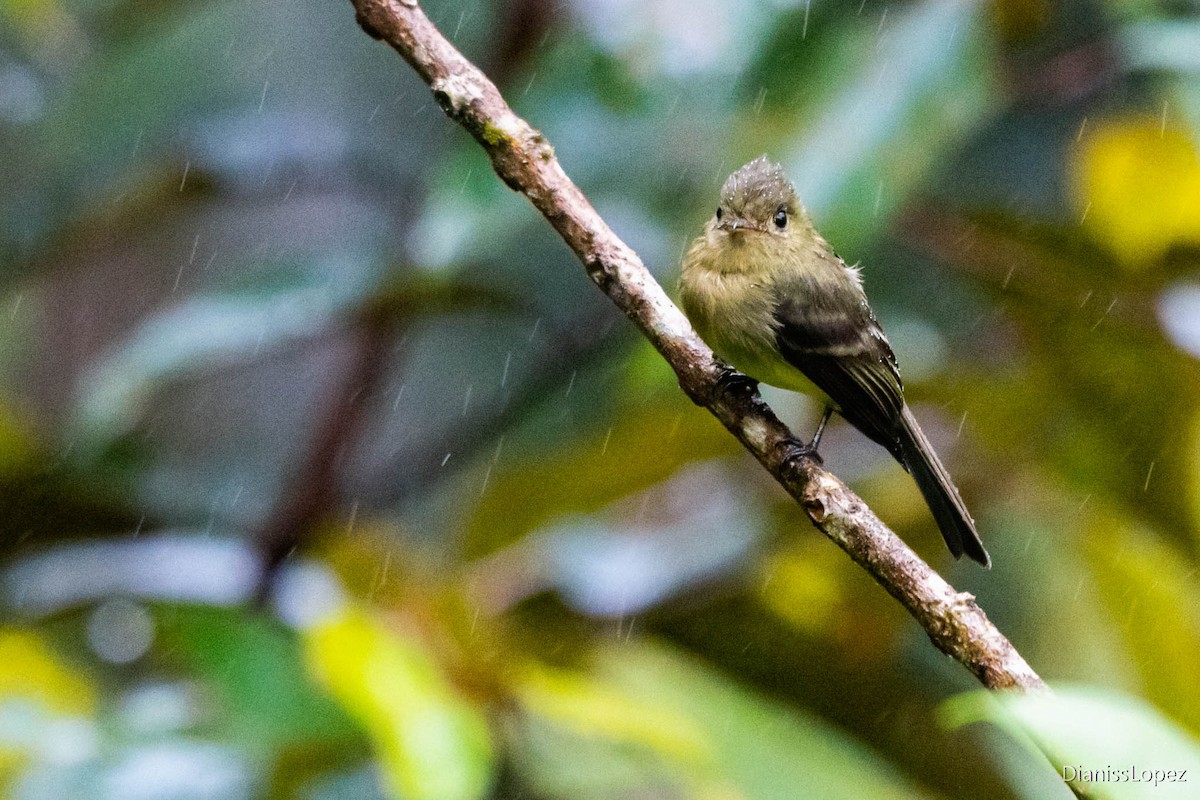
[656,721]
[258,669]
[1113,746]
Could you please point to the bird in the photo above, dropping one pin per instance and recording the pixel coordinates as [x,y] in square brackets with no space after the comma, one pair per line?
[768,294]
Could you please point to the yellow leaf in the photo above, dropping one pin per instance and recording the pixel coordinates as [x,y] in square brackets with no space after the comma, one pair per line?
[590,707]
[1152,598]
[799,588]
[1138,187]
[432,744]
[30,671]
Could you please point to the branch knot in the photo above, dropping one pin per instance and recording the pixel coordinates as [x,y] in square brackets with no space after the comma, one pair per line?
[455,92]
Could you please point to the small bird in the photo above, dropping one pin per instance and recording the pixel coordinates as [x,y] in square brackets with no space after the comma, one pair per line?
[770,296]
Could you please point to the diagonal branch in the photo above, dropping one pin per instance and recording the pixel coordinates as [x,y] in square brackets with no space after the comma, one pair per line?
[525,161]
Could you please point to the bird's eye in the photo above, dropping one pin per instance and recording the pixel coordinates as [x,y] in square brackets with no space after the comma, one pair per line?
[720,212]
[781,218]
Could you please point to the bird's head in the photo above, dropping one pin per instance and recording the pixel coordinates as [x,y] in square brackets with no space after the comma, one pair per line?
[758,198]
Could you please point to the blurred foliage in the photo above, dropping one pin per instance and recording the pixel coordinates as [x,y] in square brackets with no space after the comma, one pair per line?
[430,743]
[261,302]
[645,716]
[1119,159]
[1078,720]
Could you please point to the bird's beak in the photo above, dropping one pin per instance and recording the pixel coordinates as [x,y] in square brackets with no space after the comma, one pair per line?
[735,224]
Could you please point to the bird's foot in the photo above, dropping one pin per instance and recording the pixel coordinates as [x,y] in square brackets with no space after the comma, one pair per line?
[794,452]
[733,384]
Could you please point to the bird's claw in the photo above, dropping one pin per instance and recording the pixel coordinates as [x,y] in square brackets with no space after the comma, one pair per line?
[732,383]
[794,452]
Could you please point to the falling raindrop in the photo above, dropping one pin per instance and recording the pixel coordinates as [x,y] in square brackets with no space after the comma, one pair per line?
[487,475]
[529,84]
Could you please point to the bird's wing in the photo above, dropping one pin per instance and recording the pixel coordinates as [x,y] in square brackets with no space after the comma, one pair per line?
[832,336]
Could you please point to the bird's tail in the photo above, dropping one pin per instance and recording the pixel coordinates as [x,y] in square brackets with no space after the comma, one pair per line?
[953,519]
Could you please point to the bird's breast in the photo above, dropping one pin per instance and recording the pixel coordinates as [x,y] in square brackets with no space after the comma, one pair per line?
[735,315]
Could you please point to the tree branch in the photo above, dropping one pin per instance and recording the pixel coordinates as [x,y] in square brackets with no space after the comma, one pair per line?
[312,492]
[525,161]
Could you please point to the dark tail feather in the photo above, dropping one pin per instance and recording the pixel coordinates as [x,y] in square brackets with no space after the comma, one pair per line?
[958,529]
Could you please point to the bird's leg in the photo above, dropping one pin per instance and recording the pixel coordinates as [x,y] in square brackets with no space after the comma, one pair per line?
[795,450]
[816,439]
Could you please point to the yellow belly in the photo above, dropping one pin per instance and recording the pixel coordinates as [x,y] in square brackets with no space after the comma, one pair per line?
[734,314]
[762,364]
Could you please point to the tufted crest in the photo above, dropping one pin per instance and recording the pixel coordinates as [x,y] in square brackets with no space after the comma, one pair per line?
[757,190]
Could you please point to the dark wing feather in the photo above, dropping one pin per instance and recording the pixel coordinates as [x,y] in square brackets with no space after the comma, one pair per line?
[829,334]
[835,340]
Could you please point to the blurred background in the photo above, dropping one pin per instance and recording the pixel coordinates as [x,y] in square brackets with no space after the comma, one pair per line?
[326,473]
